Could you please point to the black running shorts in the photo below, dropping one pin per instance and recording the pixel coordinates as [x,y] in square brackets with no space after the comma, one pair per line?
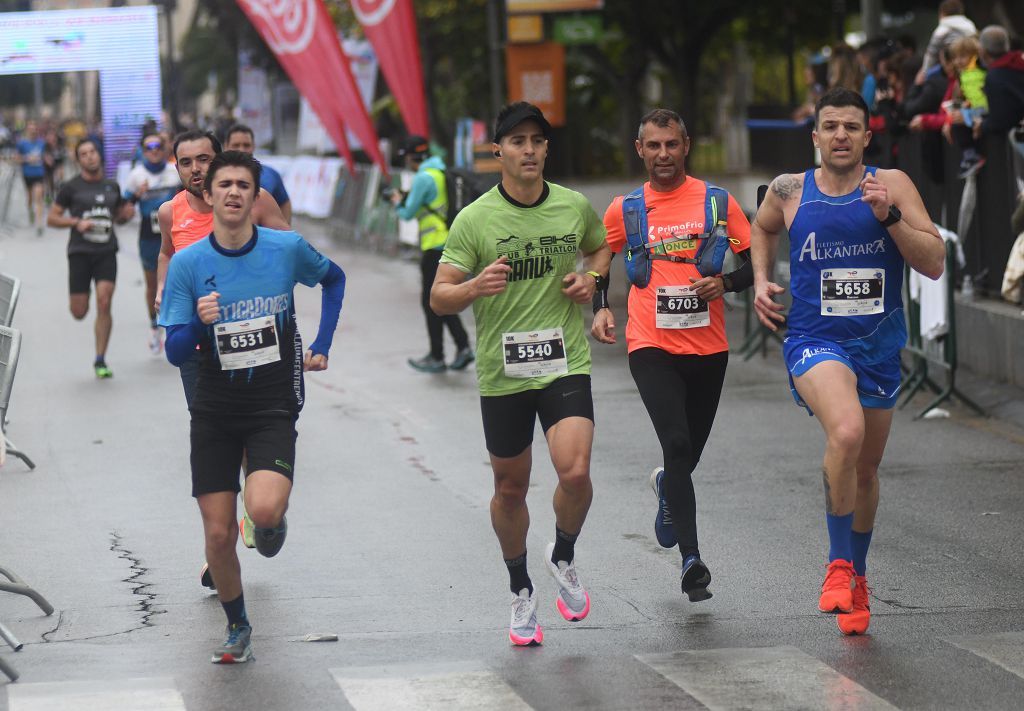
[84,268]
[218,442]
[509,419]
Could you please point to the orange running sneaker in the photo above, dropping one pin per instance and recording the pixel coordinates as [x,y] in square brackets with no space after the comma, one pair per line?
[857,622]
[837,590]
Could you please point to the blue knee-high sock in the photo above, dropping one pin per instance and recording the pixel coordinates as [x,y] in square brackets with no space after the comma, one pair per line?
[860,542]
[840,530]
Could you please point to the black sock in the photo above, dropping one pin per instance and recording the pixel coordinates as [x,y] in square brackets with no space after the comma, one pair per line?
[235,610]
[517,575]
[565,546]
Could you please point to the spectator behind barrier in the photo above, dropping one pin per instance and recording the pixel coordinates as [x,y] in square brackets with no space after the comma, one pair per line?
[953,24]
[843,68]
[816,80]
[971,100]
[936,119]
[1004,82]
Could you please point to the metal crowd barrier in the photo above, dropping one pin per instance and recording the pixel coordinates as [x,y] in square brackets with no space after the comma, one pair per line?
[8,176]
[360,214]
[10,347]
[940,352]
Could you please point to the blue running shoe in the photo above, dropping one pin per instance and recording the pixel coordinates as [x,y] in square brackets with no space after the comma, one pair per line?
[664,531]
[695,579]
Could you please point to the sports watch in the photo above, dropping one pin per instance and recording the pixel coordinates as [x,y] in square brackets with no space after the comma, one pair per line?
[894,216]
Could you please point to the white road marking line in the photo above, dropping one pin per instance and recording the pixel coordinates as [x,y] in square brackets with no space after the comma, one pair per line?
[778,678]
[151,694]
[428,687]
[1005,649]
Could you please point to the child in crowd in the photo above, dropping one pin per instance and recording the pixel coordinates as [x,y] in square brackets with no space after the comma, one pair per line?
[973,104]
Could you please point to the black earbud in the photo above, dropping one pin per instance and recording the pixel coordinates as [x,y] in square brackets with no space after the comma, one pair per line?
[497,154]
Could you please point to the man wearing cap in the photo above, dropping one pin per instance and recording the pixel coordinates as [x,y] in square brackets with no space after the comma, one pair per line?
[427,203]
[521,240]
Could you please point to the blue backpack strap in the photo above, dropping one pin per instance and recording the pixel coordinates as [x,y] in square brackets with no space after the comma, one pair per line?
[714,243]
[635,256]
[716,208]
[634,218]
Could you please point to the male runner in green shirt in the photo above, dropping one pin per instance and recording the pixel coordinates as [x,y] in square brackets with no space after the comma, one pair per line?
[521,240]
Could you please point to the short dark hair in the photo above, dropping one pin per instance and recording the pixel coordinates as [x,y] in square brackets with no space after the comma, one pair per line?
[95,144]
[662,118]
[840,98]
[239,128]
[196,135]
[951,7]
[233,159]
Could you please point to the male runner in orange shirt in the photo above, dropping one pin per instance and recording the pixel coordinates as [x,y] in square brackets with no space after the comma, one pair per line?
[676,329]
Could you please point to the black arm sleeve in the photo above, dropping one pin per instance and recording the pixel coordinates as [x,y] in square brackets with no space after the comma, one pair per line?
[601,292]
[742,278]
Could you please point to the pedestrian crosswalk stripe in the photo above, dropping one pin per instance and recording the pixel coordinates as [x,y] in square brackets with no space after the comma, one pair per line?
[779,678]
[152,694]
[444,687]
[1003,648]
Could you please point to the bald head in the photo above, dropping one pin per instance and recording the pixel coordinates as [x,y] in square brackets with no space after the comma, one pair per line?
[994,40]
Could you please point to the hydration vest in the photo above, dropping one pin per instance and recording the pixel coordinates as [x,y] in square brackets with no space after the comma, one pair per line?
[639,251]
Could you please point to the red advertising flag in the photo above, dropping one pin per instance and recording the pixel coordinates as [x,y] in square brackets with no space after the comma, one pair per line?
[390,25]
[304,40]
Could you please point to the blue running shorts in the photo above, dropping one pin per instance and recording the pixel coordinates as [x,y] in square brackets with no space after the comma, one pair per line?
[878,383]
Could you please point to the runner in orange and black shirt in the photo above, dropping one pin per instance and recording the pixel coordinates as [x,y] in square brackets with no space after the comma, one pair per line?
[678,350]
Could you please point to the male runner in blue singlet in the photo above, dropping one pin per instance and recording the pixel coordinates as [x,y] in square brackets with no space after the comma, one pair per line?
[231,294]
[851,229]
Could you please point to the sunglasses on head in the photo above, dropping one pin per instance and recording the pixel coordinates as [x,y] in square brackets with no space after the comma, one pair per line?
[153,146]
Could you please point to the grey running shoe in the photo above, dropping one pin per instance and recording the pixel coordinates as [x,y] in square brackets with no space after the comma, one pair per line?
[428,364]
[573,602]
[524,631]
[236,648]
[269,540]
[463,358]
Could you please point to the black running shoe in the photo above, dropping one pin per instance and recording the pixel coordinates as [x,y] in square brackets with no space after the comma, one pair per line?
[269,540]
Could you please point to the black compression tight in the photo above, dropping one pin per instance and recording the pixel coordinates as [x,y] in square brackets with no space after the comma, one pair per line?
[681,394]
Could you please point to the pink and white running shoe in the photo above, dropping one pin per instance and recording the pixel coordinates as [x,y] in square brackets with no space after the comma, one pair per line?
[524,631]
[573,602]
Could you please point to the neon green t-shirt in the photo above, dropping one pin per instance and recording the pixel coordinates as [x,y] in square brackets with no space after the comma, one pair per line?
[541,242]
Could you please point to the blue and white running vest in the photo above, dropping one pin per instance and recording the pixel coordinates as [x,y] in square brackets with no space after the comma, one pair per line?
[846,274]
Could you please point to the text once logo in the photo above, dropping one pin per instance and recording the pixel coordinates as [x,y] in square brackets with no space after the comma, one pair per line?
[288,24]
[372,12]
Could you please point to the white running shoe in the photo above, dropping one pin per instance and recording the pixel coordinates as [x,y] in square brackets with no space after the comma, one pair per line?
[573,601]
[524,631]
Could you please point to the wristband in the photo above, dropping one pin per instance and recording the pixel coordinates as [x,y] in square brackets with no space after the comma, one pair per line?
[600,281]
[601,300]
[726,282]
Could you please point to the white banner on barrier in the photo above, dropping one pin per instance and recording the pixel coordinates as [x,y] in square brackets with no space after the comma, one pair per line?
[254,99]
[311,182]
